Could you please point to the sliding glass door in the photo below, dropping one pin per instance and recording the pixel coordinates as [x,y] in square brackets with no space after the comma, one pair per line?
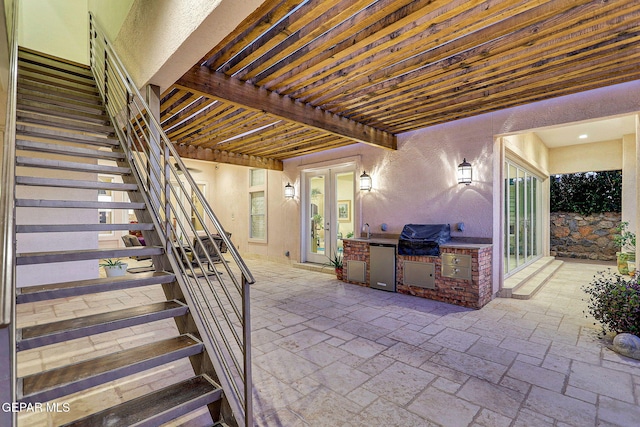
[522,217]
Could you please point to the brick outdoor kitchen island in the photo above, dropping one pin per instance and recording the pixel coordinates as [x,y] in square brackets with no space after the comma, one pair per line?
[461,275]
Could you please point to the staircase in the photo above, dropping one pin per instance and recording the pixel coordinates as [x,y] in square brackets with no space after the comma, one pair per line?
[68,154]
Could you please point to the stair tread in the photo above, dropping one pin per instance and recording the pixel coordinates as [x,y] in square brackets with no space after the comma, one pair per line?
[89,286]
[79,376]
[38,162]
[29,258]
[41,99]
[26,54]
[50,333]
[71,228]
[60,111]
[60,134]
[158,407]
[52,120]
[49,147]
[33,83]
[73,183]
[55,74]
[84,204]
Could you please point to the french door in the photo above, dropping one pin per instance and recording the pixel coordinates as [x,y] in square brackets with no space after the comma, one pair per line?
[328,214]
[522,226]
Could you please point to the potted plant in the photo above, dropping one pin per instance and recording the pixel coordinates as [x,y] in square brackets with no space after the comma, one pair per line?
[335,261]
[114,267]
[614,301]
[626,241]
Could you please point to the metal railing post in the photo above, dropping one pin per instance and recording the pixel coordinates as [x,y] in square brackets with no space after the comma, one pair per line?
[246,331]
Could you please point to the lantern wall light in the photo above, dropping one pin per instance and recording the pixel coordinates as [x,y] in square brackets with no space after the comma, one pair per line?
[465,172]
[289,191]
[365,182]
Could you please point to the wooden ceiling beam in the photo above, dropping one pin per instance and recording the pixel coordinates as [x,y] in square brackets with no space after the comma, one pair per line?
[220,156]
[202,80]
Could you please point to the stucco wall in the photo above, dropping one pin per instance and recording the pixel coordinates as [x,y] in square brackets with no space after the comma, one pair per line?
[597,156]
[56,27]
[159,41]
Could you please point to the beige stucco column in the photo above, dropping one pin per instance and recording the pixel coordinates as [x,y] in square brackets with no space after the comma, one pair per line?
[636,180]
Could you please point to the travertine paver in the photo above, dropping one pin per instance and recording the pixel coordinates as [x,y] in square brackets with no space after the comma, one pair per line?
[396,360]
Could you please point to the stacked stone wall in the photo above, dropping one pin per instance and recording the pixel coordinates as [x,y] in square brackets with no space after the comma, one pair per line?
[584,236]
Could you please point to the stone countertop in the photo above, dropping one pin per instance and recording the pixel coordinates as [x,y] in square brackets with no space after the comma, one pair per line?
[375,240]
[453,243]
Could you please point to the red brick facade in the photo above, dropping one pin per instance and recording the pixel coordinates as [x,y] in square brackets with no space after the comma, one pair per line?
[473,294]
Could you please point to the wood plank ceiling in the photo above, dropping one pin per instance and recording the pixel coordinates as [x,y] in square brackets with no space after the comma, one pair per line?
[301,76]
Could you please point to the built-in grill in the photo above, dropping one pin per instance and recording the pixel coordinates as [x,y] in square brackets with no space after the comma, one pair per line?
[423,239]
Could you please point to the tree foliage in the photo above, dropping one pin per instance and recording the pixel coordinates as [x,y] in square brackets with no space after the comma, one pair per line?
[587,193]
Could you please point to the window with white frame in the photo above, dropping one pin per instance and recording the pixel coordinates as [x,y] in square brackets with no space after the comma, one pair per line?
[258,205]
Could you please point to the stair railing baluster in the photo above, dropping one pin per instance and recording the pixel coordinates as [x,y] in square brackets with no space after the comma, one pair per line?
[221,311]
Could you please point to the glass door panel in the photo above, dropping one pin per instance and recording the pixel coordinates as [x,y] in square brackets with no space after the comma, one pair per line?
[345,224]
[521,204]
[317,201]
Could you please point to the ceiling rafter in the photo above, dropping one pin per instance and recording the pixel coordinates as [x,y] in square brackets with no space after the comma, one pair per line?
[302,76]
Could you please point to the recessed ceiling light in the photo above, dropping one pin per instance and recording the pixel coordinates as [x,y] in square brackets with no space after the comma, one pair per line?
[583,136]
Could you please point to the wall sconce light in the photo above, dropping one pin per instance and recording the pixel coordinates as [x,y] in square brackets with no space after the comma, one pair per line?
[365,182]
[465,172]
[289,191]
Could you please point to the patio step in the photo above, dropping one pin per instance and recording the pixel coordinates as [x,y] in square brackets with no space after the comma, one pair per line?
[520,278]
[535,283]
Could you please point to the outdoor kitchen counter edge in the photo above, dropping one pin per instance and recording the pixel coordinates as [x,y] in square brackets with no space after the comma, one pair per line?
[452,244]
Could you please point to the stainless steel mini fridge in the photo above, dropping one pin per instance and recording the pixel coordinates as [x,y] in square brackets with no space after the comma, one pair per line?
[382,273]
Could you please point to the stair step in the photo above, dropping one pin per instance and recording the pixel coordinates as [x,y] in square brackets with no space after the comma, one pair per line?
[57,111]
[56,75]
[157,408]
[534,284]
[76,377]
[80,204]
[30,258]
[27,130]
[91,286]
[38,99]
[50,120]
[55,332]
[36,162]
[513,282]
[71,228]
[48,78]
[42,58]
[72,183]
[66,150]
[28,85]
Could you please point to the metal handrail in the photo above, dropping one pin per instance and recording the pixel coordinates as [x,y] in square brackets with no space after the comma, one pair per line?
[7,204]
[7,211]
[219,300]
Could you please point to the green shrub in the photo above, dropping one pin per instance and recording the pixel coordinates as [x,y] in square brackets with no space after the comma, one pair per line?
[614,301]
[587,193]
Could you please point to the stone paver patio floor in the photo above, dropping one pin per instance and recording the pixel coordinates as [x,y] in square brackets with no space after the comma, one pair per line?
[327,353]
